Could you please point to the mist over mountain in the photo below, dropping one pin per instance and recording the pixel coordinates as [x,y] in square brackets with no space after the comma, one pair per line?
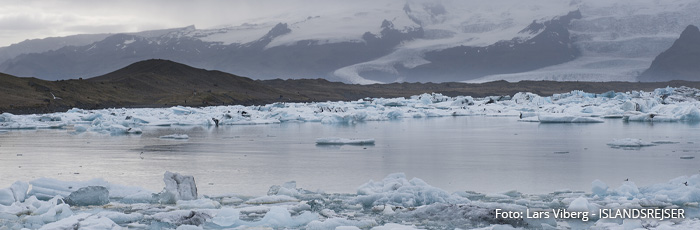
[414,41]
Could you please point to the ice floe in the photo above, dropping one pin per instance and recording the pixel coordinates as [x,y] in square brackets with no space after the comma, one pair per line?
[344,141]
[629,143]
[175,136]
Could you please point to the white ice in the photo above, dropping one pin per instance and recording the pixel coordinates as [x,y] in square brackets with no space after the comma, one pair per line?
[175,136]
[662,105]
[344,141]
[392,203]
[629,142]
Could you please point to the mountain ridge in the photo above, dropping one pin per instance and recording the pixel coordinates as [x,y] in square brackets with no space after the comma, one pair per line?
[680,61]
[163,83]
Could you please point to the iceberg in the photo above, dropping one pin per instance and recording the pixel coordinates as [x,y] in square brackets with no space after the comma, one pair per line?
[344,141]
[565,118]
[395,189]
[90,195]
[177,187]
[175,136]
[629,143]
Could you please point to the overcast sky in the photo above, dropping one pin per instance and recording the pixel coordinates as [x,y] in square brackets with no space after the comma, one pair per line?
[30,19]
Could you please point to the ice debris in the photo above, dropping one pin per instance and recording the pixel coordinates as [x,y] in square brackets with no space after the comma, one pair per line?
[395,189]
[344,141]
[393,203]
[661,105]
[175,136]
[630,143]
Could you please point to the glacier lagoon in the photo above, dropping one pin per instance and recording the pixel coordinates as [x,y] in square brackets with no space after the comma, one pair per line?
[575,151]
[470,153]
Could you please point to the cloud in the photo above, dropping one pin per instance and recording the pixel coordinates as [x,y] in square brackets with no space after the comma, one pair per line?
[29,19]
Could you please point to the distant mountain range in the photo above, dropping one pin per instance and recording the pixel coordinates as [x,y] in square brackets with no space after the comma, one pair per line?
[163,83]
[412,41]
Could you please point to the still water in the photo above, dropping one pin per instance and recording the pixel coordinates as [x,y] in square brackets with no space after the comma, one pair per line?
[483,154]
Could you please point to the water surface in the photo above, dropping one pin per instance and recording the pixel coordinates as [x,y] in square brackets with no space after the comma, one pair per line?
[483,154]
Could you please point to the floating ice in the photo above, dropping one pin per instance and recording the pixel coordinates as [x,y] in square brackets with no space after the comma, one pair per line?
[599,188]
[344,141]
[177,187]
[662,105]
[629,143]
[46,188]
[272,199]
[15,193]
[90,195]
[565,118]
[197,204]
[83,221]
[395,189]
[393,203]
[120,130]
[175,136]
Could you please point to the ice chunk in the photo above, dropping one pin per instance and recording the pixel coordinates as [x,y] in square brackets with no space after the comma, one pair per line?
[272,199]
[120,130]
[599,188]
[395,189]
[279,217]
[6,196]
[83,221]
[629,143]
[580,205]
[177,187]
[15,193]
[628,189]
[175,136]
[91,195]
[197,204]
[392,226]
[121,218]
[343,141]
[188,227]
[184,217]
[565,118]
[226,217]
[46,188]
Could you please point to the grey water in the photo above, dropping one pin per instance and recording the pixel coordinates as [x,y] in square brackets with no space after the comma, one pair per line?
[482,154]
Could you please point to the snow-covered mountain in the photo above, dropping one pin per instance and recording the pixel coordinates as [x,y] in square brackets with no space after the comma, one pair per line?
[390,41]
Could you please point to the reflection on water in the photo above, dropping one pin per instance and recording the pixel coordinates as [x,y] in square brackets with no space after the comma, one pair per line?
[483,154]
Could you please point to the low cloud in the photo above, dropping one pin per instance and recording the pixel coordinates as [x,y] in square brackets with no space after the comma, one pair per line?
[30,19]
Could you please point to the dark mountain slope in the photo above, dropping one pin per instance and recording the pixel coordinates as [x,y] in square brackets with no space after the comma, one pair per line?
[681,61]
[161,83]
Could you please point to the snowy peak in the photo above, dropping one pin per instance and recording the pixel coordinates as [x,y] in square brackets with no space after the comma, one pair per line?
[560,21]
[395,41]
